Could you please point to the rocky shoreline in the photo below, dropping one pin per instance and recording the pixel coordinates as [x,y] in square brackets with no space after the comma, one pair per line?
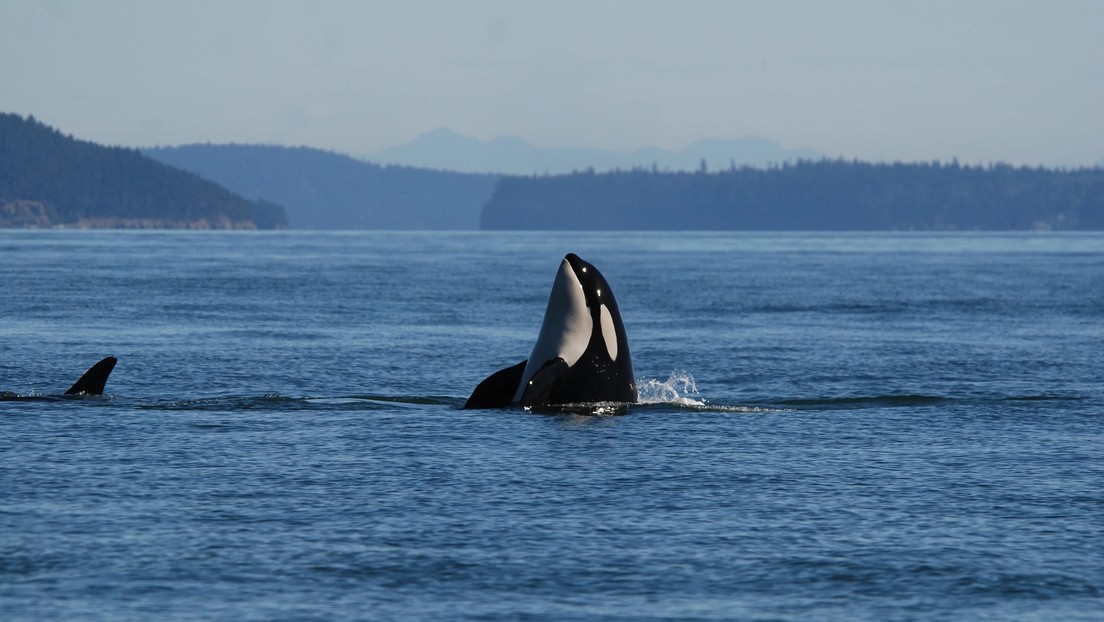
[38,215]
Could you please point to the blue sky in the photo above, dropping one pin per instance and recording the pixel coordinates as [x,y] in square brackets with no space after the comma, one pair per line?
[1011,80]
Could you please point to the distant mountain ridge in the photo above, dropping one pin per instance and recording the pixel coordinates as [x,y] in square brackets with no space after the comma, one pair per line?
[443,149]
[326,190]
[48,179]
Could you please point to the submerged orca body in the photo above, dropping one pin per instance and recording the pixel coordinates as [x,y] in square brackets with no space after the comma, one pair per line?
[581,355]
[91,383]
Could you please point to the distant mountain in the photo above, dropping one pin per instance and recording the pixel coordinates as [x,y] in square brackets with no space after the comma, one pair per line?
[446,150]
[325,190]
[49,180]
[813,196]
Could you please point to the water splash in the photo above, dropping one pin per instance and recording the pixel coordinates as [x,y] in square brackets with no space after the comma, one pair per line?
[680,388]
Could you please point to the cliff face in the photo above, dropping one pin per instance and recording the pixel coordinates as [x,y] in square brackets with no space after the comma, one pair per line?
[51,180]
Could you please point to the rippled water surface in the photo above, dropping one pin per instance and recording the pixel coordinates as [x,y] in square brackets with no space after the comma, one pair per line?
[832,427]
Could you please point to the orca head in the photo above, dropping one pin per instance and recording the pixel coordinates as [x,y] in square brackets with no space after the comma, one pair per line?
[589,278]
[581,315]
[602,305]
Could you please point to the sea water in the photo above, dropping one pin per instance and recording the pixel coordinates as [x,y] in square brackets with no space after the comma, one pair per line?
[831,427]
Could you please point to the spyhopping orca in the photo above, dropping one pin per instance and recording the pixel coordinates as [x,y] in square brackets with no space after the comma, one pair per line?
[581,355]
[91,383]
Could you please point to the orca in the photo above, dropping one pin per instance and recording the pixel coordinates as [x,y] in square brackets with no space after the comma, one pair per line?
[581,355]
[91,383]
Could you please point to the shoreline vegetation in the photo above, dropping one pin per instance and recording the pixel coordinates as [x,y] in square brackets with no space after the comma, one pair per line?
[48,180]
[824,195]
[51,180]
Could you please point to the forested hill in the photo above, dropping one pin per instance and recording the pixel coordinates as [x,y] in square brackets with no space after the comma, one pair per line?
[49,180]
[325,190]
[824,195]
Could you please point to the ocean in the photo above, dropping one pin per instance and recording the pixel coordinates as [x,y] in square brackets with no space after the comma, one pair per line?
[883,426]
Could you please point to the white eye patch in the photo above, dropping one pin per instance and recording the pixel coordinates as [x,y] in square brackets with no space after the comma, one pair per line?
[609,335]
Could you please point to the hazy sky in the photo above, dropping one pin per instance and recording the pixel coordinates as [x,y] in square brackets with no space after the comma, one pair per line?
[1011,80]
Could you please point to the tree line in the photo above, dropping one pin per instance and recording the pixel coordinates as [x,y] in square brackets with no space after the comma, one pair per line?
[73,180]
[807,195]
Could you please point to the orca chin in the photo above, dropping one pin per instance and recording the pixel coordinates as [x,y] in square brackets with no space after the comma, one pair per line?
[91,383]
[581,355]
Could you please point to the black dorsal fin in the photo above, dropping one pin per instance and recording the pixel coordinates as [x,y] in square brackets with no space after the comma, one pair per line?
[94,380]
